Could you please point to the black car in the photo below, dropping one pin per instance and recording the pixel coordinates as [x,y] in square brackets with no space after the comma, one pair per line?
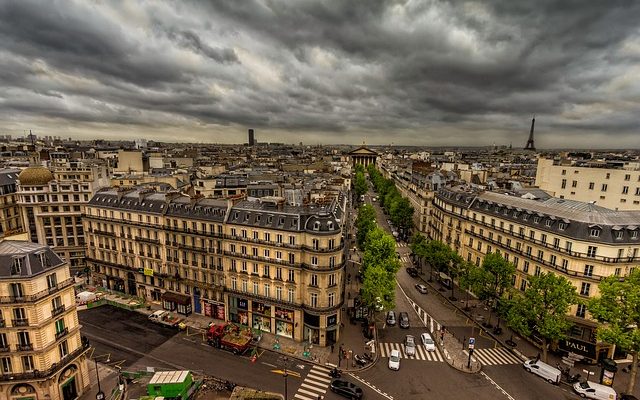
[413,272]
[346,389]
[404,320]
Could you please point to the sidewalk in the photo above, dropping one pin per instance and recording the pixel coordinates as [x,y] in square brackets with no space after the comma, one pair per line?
[108,382]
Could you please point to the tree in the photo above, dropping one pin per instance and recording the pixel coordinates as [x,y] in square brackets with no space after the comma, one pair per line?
[365,222]
[472,278]
[401,213]
[501,272]
[418,246]
[360,184]
[542,308]
[618,308]
[378,290]
[438,255]
[455,267]
[379,248]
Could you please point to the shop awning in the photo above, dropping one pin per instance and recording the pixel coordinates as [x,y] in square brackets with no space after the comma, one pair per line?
[176,298]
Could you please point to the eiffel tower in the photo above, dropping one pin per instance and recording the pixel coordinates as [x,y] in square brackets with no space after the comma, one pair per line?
[530,145]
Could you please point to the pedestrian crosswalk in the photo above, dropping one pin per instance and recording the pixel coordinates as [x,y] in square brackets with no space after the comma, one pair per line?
[401,244]
[421,352]
[405,259]
[314,384]
[497,356]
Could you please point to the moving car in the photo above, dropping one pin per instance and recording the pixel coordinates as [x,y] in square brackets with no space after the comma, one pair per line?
[346,389]
[391,318]
[544,370]
[421,288]
[394,360]
[428,342]
[404,320]
[413,272]
[409,346]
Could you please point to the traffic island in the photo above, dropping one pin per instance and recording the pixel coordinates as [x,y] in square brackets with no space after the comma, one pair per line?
[458,355]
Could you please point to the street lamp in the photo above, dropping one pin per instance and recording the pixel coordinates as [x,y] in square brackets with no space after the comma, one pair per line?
[100,395]
[285,361]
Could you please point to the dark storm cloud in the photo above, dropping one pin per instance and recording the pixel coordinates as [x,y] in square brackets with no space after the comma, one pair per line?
[413,72]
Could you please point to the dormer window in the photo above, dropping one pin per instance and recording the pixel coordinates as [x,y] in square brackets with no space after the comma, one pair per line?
[562,226]
[536,219]
[548,222]
[281,221]
[594,232]
[316,226]
[330,225]
[16,266]
[619,235]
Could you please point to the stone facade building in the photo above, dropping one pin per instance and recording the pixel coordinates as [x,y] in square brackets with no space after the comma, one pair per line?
[577,240]
[41,353]
[274,267]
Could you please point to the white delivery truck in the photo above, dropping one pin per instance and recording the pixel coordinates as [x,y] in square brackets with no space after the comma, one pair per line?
[591,390]
[544,370]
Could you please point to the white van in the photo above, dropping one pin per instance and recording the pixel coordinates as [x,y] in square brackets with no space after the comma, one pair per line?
[544,370]
[593,390]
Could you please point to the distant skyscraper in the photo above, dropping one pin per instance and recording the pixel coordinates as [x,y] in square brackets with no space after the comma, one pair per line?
[530,145]
[252,139]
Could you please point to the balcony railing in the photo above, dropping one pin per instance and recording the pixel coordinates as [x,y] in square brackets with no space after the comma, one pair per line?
[24,347]
[37,296]
[20,322]
[58,310]
[62,333]
[46,373]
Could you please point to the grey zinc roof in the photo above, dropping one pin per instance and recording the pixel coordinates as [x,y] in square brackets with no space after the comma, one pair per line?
[30,253]
[568,209]
[8,176]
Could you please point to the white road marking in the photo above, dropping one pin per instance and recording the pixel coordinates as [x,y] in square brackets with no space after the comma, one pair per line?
[380,392]
[497,386]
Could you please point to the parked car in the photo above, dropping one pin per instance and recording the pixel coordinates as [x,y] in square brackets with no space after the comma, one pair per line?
[413,272]
[592,390]
[404,320]
[421,288]
[428,342]
[409,346]
[346,389]
[543,370]
[391,318]
[394,360]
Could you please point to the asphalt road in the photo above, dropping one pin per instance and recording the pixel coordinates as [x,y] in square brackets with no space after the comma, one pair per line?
[419,379]
[132,342]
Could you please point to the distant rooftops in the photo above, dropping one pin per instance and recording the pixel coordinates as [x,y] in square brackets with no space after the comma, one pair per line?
[24,259]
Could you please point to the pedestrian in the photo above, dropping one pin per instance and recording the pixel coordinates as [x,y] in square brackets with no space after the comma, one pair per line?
[332,346]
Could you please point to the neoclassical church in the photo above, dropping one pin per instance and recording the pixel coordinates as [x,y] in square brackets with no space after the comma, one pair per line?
[363,155]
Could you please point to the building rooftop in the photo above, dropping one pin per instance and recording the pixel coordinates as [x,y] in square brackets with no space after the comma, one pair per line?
[34,259]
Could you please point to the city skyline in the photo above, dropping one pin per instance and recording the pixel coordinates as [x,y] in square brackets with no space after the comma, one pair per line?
[407,73]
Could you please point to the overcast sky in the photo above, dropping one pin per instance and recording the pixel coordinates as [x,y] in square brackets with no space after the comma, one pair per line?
[402,72]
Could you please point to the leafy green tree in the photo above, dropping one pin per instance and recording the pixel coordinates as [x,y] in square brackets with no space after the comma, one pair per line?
[360,184]
[365,222]
[501,272]
[418,248]
[401,212]
[438,255]
[472,278]
[378,288]
[542,308]
[618,308]
[454,269]
[379,248]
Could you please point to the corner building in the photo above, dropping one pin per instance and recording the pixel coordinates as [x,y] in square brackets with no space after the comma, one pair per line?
[276,268]
[41,353]
[580,241]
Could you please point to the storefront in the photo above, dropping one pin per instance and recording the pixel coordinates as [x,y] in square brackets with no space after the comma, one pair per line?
[284,322]
[261,316]
[332,329]
[214,309]
[239,310]
[177,302]
[311,332]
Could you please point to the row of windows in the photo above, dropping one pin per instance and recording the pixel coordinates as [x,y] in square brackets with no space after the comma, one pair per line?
[27,363]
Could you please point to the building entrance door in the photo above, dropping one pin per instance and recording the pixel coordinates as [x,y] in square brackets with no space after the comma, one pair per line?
[69,391]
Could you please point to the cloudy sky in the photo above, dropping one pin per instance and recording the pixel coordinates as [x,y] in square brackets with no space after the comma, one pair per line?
[402,72]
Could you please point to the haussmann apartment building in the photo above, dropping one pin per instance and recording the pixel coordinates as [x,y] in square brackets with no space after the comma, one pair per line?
[274,267]
[42,355]
[580,241]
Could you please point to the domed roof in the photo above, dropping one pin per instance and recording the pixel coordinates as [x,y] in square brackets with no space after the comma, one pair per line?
[35,176]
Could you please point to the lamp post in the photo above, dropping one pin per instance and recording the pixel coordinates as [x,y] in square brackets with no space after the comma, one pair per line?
[100,395]
[285,361]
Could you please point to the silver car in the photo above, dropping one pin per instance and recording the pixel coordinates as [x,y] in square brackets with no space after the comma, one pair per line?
[409,345]
[391,318]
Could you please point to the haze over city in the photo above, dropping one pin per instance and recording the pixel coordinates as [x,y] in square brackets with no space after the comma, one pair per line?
[402,72]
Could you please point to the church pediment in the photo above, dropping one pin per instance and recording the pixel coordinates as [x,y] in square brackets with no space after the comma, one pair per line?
[363,151]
